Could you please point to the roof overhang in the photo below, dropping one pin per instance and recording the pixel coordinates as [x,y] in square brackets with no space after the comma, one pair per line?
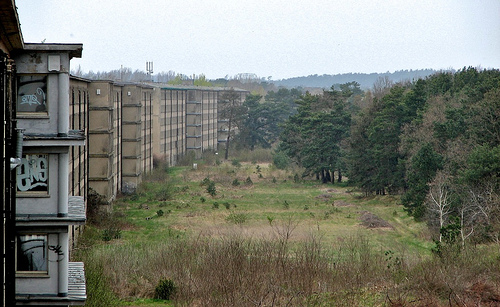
[74,50]
[10,28]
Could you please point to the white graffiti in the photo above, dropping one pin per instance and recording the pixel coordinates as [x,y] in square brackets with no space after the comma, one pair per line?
[33,99]
[33,173]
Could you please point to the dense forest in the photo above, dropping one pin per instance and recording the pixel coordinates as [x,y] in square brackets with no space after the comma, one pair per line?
[433,141]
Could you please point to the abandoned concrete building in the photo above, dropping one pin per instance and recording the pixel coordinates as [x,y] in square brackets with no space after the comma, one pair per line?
[63,135]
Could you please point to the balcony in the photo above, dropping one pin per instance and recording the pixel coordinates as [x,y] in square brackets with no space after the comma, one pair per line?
[77,291]
[76,215]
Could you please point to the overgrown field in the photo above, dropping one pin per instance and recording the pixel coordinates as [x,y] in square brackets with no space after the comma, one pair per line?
[252,235]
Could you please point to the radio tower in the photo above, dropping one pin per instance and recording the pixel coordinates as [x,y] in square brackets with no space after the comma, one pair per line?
[149,70]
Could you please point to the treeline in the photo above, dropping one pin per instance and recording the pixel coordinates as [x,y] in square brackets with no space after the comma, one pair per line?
[434,141]
[365,80]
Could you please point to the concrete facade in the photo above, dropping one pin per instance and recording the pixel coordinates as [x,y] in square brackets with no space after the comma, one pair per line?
[45,209]
[131,125]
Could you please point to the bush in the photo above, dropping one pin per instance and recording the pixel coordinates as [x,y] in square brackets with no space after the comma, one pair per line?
[187,159]
[165,289]
[236,182]
[111,233]
[281,160]
[248,181]
[211,189]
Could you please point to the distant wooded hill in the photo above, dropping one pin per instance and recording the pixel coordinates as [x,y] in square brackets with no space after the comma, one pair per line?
[366,81]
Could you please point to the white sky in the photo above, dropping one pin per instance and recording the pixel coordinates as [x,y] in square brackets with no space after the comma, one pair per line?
[275,38]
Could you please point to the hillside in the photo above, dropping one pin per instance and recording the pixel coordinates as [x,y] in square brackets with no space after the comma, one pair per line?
[365,80]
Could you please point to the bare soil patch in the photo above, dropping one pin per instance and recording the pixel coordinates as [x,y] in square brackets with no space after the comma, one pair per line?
[370,220]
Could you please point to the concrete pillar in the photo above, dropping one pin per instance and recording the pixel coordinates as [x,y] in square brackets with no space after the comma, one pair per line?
[63,265]
[63,188]
[63,116]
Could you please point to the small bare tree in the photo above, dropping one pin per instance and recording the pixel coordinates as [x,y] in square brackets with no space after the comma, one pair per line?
[438,201]
[482,208]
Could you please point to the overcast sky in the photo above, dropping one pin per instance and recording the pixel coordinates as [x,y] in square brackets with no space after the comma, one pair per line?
[276,38]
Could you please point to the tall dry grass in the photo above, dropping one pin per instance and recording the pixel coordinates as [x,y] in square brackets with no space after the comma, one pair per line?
[236,270]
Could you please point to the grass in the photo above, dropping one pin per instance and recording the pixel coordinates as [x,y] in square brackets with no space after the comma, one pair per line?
[274,242]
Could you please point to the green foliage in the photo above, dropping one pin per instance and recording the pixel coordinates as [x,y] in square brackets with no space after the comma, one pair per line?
[215,205]
[286,205]
[98,285]
[422,170]
[450,237]
[482,163]
[201,80]
[296,178]
[178,80]
[165,289]
[159,212]
[236,163]
[205,182]
[111,233]
[248,181]
[211,189]
[314,136]
[237,218]
[236,182]
[281,160]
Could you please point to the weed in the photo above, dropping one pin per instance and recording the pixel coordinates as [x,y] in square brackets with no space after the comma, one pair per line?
[330,212]
[159,212]
[215,205]
[286,205]
[248,181]
[203,199]
[296,178]
[236,182]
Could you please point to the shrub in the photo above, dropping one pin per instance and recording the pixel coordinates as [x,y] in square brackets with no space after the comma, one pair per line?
[236,182]
[236,163]
[248,181]
[187,159]
[211,189]
[159,212]
[281,160]
[165,289]
[296,178]
[215,205]
[205,181]
[111,233]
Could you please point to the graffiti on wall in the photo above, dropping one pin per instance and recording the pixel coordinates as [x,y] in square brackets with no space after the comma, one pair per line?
[32,175]
[32,95]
